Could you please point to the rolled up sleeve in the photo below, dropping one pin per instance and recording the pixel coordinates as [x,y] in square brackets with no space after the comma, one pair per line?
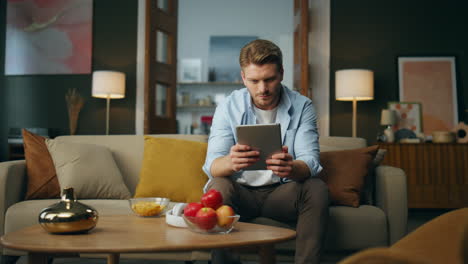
[306,145]
[220,140]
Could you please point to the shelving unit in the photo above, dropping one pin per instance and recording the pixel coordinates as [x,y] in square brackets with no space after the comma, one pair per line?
[199,99]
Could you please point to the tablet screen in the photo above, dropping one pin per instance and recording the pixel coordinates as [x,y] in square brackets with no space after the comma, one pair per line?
[265,138]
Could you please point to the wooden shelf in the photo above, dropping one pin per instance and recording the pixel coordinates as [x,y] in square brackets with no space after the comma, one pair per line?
[196,106]
[211,83]
[437,174]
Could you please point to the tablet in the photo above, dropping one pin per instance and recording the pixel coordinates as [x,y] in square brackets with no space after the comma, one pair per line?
[265,138]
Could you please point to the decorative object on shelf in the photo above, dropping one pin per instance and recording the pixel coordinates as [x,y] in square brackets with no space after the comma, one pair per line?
[354,85]
[224,54]
[432,82]
[388,119]
[443,137]
[68,215]
[74,104]
[190,70]
[404,133]
[49,37]
[108,85]
[461,132]
[408,116]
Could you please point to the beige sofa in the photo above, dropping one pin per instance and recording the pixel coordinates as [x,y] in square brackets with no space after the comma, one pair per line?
[350,229]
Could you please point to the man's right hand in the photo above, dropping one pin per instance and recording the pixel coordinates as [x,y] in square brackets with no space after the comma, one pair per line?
[242,156]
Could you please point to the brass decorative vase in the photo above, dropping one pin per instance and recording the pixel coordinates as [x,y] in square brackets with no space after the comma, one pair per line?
[68,216]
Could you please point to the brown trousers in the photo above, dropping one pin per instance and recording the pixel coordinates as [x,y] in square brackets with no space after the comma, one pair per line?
[304,204]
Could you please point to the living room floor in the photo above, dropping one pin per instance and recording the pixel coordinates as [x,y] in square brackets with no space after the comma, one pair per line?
[417,217]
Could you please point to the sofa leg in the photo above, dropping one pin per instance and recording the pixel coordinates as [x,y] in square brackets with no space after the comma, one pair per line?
[9,259]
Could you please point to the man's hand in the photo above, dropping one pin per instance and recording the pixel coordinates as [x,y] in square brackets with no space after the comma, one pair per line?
[242,156]
[281,163]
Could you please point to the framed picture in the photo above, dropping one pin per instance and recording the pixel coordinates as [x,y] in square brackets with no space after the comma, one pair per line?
[48,37]
[190,70]
[224,58]
[430,81]
[408,116]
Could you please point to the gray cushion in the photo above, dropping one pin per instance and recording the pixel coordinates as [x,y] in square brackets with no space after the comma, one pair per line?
[89,169]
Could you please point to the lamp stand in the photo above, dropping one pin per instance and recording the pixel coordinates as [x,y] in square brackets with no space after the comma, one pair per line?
[107,114]
[354,116]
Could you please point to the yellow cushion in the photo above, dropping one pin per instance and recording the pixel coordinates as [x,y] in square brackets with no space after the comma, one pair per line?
[172,168]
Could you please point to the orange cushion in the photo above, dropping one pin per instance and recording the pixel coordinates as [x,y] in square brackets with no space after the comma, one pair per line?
[42,179]
[345,171]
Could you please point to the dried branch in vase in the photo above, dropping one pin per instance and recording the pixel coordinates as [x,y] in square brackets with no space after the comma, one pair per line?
[74,104]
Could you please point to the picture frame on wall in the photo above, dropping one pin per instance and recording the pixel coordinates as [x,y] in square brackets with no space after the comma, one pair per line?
[190,70]
[432,82]
[53,37]
[409,116]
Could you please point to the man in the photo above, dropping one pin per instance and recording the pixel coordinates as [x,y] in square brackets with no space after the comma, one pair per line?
[289,190]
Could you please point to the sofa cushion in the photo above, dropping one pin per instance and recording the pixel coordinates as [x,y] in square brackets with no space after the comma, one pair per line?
[172,168]
[348,228]
[89,169]
[345,171]
[42,179]
[127,151]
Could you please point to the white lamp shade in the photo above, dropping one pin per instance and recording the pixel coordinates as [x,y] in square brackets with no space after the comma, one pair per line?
[354,84]
[108,84]
[388,117]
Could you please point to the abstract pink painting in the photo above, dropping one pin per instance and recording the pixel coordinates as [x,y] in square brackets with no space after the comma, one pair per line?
[48,37]
[431,81]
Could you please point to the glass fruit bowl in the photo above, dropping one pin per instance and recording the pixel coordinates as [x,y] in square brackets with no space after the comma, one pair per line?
[149,206]
[206,225]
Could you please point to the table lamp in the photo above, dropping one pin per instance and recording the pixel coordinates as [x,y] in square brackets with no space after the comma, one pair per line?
[388,119]
[108,85]
[354,85]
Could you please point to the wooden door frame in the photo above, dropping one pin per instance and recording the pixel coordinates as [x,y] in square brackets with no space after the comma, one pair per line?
[301,47]
[167,71]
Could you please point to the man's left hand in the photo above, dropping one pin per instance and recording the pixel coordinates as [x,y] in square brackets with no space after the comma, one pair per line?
[281,163]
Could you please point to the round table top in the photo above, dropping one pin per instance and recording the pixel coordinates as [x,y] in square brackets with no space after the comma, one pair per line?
[134,234]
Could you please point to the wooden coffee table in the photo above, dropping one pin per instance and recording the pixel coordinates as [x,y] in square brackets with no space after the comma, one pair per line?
[118,234]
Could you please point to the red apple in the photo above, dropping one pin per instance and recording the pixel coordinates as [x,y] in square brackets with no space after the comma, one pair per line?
[212,199]
[192,208]
[225,213]
[206,218]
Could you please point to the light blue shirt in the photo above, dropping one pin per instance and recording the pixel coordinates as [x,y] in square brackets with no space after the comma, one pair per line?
[297,117]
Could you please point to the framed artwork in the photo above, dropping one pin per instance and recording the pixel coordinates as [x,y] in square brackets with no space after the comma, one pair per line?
[48,37]
[224,57]
[430,81]
[408,116]
[190,70]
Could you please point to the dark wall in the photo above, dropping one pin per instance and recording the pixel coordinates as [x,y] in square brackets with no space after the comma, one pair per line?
[372,34]
[39,100]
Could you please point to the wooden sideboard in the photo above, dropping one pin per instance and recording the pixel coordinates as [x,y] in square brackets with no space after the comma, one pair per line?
[437,174]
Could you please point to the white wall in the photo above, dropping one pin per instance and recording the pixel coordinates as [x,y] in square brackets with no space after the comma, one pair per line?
[267,19]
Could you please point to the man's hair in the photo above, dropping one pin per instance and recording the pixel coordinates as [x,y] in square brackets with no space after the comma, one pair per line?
[261,52]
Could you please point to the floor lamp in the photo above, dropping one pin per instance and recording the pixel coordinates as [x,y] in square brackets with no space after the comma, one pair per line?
[108,85]
[354,85]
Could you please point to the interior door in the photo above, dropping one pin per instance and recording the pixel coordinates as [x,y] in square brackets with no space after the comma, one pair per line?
[301,46]
[160,67]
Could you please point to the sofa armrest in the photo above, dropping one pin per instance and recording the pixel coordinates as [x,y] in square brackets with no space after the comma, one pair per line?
[12,186]
[391,197]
